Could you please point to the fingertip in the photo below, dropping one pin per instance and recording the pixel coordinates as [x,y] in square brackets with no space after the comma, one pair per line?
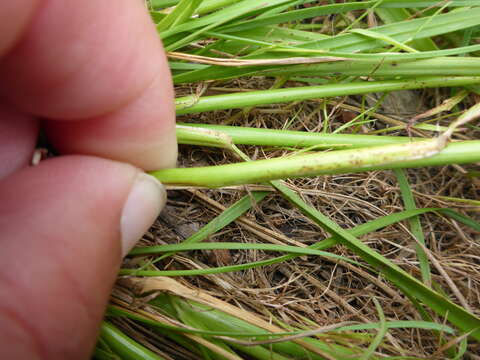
[142,133]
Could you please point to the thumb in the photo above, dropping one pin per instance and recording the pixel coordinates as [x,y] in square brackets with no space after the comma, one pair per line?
[65,225]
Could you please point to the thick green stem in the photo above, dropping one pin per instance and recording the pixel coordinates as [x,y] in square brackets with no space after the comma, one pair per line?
[443,66]
[191,104]
[240,135]
[334,162]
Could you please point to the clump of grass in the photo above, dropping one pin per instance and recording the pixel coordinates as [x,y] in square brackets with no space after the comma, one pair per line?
[374,263]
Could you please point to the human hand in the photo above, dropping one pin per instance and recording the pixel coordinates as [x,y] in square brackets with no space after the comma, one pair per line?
[95,73]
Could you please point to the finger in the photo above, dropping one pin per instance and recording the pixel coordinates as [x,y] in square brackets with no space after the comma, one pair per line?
[105,65]
[18,133]
[84,61]
[63,225]
[142,133]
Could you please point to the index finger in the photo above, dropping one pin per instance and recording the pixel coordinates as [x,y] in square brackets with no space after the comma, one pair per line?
[102,66]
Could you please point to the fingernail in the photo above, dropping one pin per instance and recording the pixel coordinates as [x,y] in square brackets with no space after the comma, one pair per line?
[145,201]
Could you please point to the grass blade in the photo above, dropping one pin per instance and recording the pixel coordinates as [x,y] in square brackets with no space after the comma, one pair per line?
[390,15]
[403,31]
[438,303]
[360,230]
[218,223]
[182,12]
[236,246]
[382,330]
[415,225]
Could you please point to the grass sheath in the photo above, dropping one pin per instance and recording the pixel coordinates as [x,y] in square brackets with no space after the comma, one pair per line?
[194,134]
[193,104]
[123,346]
[394,156]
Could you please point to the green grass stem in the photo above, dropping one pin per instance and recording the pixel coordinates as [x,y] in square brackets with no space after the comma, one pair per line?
[124,346]
[325,163]
[439,66]
[190,134]
[359,230]
[192,104]
[237,246]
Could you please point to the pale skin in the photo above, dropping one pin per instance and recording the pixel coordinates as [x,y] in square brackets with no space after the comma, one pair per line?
[94,76]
